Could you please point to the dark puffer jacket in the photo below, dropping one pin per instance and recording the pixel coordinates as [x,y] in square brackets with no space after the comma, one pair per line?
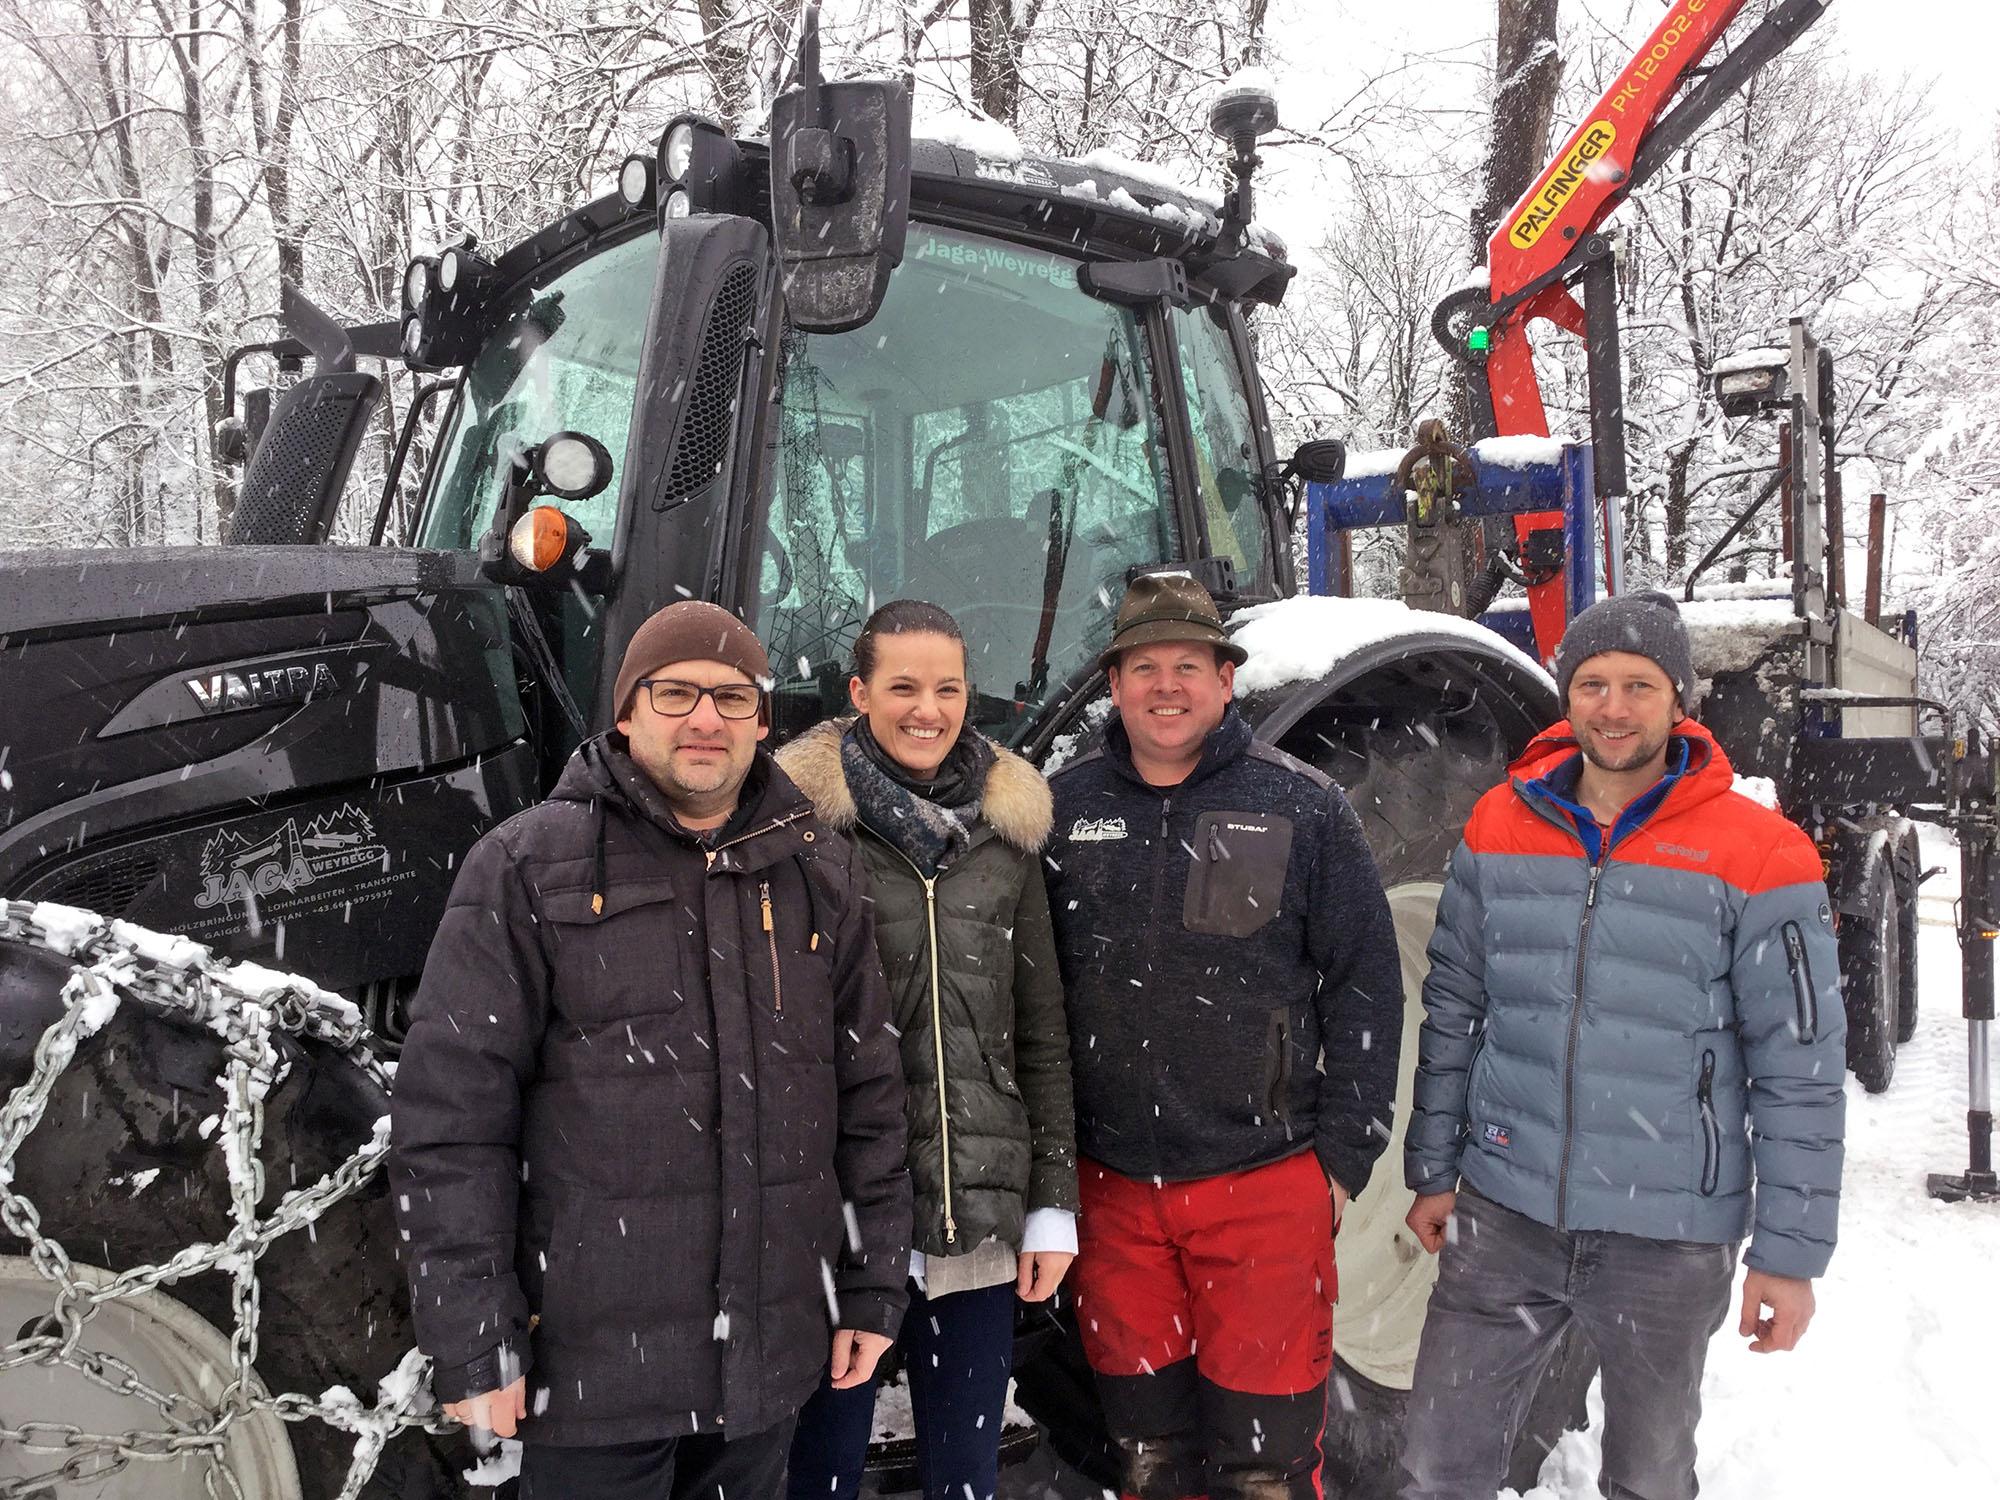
[1006,1089]
[639,1123]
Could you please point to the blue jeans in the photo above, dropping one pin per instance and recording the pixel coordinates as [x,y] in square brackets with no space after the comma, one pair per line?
[958,1353]
[1507,1287]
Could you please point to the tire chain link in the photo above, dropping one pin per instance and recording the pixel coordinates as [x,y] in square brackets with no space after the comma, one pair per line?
[115,961]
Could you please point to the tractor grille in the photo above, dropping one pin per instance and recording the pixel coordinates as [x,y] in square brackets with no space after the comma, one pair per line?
[705,428]
[107,884]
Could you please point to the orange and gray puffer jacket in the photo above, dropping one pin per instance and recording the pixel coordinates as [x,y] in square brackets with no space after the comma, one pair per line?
[1638,1029]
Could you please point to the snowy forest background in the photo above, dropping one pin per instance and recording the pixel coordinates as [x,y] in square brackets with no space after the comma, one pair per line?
[163,163]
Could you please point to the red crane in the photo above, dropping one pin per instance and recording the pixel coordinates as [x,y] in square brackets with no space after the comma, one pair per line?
[1549,244]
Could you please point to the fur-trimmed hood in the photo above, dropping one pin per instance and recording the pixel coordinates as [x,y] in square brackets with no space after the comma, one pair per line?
[1015,803]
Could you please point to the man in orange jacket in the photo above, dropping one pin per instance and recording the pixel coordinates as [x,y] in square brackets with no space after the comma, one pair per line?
[1632,963]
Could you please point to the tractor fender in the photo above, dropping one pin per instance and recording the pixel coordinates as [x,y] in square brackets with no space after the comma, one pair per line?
[1519,693]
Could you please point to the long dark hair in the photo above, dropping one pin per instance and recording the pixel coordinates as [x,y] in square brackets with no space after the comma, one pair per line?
[902,617]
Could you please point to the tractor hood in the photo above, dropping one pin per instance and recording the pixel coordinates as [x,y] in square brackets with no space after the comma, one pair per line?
[67,587]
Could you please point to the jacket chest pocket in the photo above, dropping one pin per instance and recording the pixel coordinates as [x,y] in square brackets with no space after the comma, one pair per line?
[1237,880]
[617,956]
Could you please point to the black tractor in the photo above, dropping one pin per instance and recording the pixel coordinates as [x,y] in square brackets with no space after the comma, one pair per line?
[796,377]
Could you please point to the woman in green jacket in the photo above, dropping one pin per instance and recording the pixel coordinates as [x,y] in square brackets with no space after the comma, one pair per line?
[950,827]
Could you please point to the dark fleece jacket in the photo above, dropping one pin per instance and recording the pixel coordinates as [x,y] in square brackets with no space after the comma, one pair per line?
[632,1129]
[1219,938]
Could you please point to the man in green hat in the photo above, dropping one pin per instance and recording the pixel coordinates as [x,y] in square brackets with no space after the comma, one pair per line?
[1221,928]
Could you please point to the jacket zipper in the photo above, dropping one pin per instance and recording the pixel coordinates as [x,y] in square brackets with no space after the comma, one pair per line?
[937,1050]
[708,854]
[1569,1055]
[929,883]
[1803,998]
[771,937]
[1208,882]
[1711,1133]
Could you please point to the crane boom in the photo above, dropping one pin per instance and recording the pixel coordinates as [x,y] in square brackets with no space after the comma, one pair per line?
[1548,241]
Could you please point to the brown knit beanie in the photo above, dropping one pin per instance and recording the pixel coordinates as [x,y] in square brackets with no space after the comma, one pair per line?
[690,630]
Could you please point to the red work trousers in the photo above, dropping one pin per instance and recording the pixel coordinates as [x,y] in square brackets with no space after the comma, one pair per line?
[1206,1309]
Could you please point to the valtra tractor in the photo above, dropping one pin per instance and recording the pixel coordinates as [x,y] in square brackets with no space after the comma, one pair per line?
[797,376]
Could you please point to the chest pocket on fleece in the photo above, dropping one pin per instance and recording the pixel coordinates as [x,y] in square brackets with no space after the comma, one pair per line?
[1237,881]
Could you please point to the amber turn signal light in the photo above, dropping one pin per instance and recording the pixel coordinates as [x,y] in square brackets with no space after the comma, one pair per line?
[538,540]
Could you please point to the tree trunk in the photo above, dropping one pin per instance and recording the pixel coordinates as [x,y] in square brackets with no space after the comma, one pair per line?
[1526,71]
[996,58]
[148,360]
[722,43]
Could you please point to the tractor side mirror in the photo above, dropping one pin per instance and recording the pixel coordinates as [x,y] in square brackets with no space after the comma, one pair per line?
[840,191]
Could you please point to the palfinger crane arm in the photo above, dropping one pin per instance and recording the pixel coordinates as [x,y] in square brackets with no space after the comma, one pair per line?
[1548,243]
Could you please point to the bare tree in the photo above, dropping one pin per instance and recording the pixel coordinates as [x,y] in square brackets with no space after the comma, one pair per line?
[1527,79]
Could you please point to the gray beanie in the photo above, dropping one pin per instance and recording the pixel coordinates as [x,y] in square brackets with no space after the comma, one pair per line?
[1647,624]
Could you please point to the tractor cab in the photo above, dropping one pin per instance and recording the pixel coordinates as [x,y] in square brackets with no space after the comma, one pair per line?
[1011,384]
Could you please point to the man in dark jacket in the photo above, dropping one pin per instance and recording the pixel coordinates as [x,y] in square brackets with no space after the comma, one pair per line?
[1223,933]
[648,1065]
[1632,962]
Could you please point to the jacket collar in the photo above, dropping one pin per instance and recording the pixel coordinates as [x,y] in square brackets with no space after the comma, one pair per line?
[1016,805]
[1225,743]
[601,772]
[1545,777]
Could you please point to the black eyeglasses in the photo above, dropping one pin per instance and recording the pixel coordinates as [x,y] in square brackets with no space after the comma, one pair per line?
[676,700]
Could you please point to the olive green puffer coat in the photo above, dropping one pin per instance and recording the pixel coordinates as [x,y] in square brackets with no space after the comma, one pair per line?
[985,1044]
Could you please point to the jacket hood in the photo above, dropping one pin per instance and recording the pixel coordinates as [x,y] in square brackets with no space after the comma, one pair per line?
[1708,774]
[1015,803]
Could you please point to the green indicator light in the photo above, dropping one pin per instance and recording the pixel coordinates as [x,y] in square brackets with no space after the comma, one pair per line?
[1479,340]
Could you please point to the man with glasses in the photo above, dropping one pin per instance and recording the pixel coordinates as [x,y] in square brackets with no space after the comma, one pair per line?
[648,1153]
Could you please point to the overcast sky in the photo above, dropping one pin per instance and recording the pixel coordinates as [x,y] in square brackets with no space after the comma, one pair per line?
[1953,42]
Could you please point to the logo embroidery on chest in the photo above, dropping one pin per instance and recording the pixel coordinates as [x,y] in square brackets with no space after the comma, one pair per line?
[1699,856]
[1096,830]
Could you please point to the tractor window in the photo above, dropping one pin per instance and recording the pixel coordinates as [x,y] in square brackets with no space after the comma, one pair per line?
[990,441]
[567,356]
[1225,445]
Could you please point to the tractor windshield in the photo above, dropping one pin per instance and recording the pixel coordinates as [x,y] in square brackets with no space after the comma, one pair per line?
[990,441]
[565,357]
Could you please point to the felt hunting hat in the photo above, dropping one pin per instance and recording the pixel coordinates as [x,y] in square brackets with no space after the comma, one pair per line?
[1160,607]
[690,630]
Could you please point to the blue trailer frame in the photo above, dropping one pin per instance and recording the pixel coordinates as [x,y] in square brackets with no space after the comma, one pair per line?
[1501,489]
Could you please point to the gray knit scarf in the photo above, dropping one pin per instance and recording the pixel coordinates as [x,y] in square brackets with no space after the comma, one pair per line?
[930,822]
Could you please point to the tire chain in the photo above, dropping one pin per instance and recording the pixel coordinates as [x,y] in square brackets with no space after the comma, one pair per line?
[116,961]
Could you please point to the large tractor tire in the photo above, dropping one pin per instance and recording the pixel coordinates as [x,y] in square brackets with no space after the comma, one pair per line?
[1909,872]
[127,1168]
[1871,967]
[1413,780]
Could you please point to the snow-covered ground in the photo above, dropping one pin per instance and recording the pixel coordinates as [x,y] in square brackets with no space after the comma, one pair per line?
[1891,1392]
